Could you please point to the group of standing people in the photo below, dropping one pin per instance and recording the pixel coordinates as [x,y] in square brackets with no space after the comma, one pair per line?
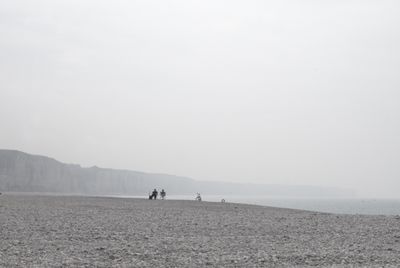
[154,194]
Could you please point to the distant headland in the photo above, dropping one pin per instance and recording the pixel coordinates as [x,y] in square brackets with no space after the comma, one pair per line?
[23,172]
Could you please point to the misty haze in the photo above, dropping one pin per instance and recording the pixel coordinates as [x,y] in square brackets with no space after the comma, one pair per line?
[271,128]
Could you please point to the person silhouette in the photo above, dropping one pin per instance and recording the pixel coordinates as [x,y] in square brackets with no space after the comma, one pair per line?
[155,194]
[163,194]
[198,197]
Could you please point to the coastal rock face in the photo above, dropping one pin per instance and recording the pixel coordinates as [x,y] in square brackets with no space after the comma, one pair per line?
[22,172]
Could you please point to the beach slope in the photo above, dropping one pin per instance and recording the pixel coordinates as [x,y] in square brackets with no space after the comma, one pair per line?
[54,231]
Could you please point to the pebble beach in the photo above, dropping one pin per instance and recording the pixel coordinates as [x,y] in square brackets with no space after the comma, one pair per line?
[75,231]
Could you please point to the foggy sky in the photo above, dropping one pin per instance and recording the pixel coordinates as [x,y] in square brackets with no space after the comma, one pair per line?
[287,92]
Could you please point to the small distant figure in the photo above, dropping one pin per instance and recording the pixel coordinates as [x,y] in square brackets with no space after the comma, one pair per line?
[223,201]
[155,194]
[163,194]
[198,197]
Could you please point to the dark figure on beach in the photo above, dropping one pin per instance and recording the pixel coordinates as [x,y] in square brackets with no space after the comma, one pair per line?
[163,194]
[155,194]
[198,197]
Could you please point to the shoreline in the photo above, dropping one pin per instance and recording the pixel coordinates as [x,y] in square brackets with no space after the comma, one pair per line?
[340,206]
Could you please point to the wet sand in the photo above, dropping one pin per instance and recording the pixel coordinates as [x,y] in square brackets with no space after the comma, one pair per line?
[50,231]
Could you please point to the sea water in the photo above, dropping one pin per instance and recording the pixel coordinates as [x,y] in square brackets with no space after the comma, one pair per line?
[330,205]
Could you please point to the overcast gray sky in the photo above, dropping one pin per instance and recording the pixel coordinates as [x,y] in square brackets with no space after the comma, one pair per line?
[288,92]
